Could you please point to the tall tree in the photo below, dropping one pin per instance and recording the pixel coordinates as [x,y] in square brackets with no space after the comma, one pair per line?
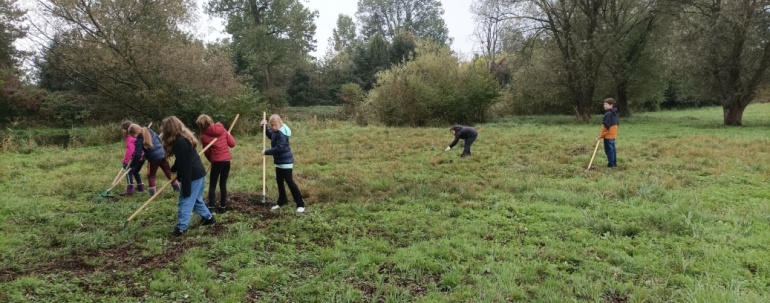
[10,30]
[731,39]
[370,59]
[344,35]
[423,18]
[269,37]
[493,20]
[133,55]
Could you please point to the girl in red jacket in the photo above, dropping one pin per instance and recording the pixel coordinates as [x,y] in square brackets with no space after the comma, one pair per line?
[219,156]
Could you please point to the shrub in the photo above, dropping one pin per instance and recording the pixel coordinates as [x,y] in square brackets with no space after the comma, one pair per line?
[435,88]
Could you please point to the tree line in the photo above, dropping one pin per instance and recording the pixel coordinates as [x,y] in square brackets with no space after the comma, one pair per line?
[390,63]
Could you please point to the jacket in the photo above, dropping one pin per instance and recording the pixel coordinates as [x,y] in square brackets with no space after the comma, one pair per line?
[610,124]
[279,145]
[154,153]
[187,166]
[463,132]
[220,151]
[130,148]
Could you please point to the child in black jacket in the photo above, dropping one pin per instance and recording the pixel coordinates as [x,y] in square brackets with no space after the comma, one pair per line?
[180,142]
[466,133]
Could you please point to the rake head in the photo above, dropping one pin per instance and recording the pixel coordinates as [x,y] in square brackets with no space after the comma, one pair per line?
[107,194]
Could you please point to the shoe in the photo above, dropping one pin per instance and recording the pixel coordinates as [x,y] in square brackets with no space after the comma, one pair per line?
[151,190]
[209,221]
[175,185]
[177,232]
[275,207]
[140,187]
[300,209]
[222,209]
[129,190]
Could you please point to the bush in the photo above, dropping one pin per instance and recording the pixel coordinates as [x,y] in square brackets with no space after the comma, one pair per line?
[433,89]
[353,107]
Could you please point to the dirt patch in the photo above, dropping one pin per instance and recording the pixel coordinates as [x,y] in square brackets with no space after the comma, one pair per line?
[250,203]
[614,297]
[416,288]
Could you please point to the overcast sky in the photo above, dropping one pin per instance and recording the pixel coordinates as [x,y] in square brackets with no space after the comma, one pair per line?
[457,16]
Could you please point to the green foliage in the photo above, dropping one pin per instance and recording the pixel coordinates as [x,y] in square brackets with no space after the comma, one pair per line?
[353,107]
[423,18]
[434,88]
[344,35]
[370,59]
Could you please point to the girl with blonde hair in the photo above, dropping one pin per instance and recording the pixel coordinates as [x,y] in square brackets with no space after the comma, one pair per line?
[283,158]
[179,141]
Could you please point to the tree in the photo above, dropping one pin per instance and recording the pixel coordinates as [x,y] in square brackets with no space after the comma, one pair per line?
[731,39]
[10,30]
[270,37]
[133,55]
[423,18]
[344,35]
[493,19]
[371,58]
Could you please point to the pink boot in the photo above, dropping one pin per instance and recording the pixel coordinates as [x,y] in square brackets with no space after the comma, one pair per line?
[140,187]
[129,190]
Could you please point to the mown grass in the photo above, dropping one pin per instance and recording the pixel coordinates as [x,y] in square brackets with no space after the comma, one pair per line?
[684,218]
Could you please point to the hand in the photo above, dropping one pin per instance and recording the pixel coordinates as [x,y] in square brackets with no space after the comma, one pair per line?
[447,149]
[263,122]
[263,152]
[598,138]
[125,165]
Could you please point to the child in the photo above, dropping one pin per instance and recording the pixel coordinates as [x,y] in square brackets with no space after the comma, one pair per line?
[147,141]
[466,133]
[279,134]
[610,131]
[180,142]
[135,167]
[219,156]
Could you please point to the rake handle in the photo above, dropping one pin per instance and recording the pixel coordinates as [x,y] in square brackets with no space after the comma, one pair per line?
[228,131]
[117,181]
[264,158]
[594,155]
[164,187]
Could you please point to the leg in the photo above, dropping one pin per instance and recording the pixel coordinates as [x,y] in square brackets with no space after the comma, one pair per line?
[153,169]
[609,149]
[214,176]
[167,170]
[184,211]
[223,184]
[279,177]
[467,149]
[294,188]
[197,191]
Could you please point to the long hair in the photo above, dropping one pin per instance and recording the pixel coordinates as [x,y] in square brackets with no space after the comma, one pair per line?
[172,128]
[135,129]
[203,122]
[126,124]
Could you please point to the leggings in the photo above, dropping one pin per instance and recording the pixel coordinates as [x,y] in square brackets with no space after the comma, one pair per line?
[219,173]
[163,164]
[134,173]
[284,174]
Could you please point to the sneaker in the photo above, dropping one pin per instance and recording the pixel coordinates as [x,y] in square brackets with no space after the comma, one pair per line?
[300,209]
[275,207]
[209,221]
[177,232]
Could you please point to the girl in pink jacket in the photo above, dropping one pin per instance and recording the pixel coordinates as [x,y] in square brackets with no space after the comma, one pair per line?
[135,167]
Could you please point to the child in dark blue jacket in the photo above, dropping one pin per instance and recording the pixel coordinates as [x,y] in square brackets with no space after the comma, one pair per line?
[466,133]
[148,143]
[279,134]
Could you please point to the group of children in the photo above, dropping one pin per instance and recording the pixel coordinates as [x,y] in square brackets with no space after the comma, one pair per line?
[143,144]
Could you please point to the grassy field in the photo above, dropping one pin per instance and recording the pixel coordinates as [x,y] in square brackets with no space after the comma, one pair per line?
[685,218]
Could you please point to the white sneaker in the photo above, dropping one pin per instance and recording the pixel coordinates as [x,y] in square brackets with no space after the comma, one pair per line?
[300,209]
[275,207]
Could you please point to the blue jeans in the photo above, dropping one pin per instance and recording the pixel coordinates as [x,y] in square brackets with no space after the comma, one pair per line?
[611,152]
[193,202]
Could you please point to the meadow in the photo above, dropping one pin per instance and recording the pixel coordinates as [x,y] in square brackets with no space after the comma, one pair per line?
[684,218]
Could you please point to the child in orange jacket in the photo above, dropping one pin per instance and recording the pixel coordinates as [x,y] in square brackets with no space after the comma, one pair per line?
[610,131]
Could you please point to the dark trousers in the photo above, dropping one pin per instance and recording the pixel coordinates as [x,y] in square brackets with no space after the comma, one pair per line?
[163,164]
[609,150]
[134,173]
[219,173]
[285,174]
[467,149]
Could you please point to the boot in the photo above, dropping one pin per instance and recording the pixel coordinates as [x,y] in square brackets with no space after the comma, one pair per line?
[151,190]
[129,190]
[140,187]
[175,185]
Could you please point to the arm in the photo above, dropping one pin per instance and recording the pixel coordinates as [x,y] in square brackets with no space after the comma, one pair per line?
[457,139]
[282,145]
[230,140]
[605,127]
[183,164]
[130,147]
[138,149]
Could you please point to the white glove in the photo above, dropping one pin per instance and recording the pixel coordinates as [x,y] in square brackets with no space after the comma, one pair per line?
[447,149]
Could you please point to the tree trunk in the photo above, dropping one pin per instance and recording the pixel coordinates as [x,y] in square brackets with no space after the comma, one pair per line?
[623,109]
[734,113]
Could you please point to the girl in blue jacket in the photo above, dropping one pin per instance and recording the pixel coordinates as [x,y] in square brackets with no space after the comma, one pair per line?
[149,143]
[279,134]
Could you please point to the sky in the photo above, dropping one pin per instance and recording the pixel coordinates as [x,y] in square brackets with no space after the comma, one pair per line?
[457,16]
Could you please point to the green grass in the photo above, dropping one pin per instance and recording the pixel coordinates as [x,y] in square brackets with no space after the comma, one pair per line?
[684,218]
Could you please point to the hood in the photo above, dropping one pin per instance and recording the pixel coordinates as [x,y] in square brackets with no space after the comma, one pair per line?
[457,128]
[614,110]
[215,130]
[285,130]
